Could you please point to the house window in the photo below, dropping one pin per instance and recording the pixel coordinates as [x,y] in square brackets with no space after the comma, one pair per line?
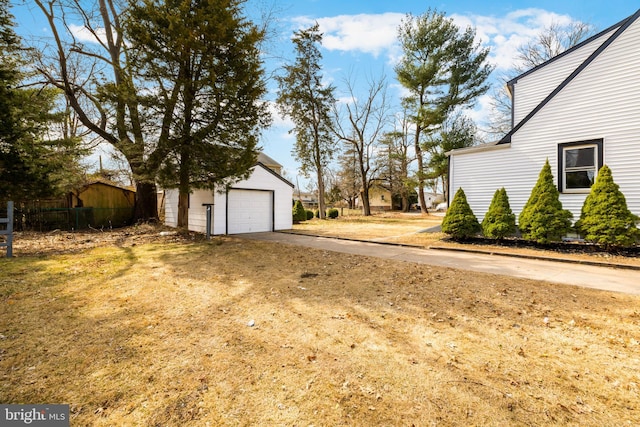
[578,165]
[382,197]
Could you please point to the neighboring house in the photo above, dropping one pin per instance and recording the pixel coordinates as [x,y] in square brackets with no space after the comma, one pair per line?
[262,202]
[309,200]
[380,198]
[580,110]
[433,199]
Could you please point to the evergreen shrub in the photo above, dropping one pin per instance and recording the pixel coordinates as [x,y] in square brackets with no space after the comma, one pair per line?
[542,219]
[605,218]
[499,221]
[299,213]
[309,215]
[332,213]
[459,221]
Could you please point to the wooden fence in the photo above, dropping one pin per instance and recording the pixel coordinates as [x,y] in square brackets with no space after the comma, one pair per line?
[8,231]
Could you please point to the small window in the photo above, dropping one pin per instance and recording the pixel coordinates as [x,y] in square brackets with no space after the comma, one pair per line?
[382,197]
[578,165]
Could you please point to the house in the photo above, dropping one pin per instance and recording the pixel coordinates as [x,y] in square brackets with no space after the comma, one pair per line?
[380,198]
[309,200]
[262,202]
[580,110]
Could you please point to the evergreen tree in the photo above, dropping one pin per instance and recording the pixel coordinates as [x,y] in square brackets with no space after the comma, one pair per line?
[542,219]
[499,221]
[31,165]
[308,102]
[605,218]
[299,213]
[459,221]
[203,60]
[442,68]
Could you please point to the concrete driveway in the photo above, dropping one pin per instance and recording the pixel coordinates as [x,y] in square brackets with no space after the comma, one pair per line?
[589,276]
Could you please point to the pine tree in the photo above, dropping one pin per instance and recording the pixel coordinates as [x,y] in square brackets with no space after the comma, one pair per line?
[605,218]
[499,220]
[304,98]
[459,221]
[542,219]
[30,165]
[299,213]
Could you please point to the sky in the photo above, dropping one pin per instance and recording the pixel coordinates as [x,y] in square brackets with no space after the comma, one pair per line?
[359,42]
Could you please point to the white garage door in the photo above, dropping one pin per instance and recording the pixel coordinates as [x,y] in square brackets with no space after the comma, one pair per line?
[249,211]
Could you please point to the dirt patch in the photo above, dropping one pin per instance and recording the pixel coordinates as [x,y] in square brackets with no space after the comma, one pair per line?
[29,243]
[238,332]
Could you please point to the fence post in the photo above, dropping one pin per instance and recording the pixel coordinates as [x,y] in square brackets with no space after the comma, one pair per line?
[9,230]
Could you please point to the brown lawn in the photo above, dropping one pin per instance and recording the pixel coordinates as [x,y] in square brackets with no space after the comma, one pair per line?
[130,328]
[409,229]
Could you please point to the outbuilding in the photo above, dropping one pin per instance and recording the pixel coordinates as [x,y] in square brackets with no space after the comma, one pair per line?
[260,203]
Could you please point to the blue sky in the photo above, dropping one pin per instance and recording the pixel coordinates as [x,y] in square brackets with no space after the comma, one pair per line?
[359,39]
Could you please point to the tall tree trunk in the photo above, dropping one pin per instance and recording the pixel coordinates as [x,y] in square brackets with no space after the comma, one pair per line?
[423,203]
[366,206]
[183,188]
[321,205]
[146,206]
[405,203]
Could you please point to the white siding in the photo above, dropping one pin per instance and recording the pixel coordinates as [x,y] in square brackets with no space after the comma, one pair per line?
[260,179]
[197,212]
[533,88]
[603,101]
[171,207]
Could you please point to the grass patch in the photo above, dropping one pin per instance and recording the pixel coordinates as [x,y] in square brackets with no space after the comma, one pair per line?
[159,334]
[394,227]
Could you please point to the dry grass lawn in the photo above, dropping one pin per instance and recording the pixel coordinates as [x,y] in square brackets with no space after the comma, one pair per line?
[183,332]
[394,227]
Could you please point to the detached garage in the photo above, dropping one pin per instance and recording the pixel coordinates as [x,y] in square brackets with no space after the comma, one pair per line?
[260,203]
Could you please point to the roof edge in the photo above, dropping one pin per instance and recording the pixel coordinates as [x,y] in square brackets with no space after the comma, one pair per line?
[268,169]
[626,23]
[490,146]
[572,49]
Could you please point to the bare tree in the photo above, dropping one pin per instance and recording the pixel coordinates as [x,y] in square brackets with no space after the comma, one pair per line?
[551,42]
[359,124]
[395,158]
[103,90]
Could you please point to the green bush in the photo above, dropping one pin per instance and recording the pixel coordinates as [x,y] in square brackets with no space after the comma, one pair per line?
[332,213]
[605,218]
[309,215]
[299,214]
[459,221]
[499,221]
[542,219]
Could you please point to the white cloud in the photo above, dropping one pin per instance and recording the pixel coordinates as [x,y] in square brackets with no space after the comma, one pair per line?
[506,33]
[279,120]
[376,34]
[81,33]
[372,34]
